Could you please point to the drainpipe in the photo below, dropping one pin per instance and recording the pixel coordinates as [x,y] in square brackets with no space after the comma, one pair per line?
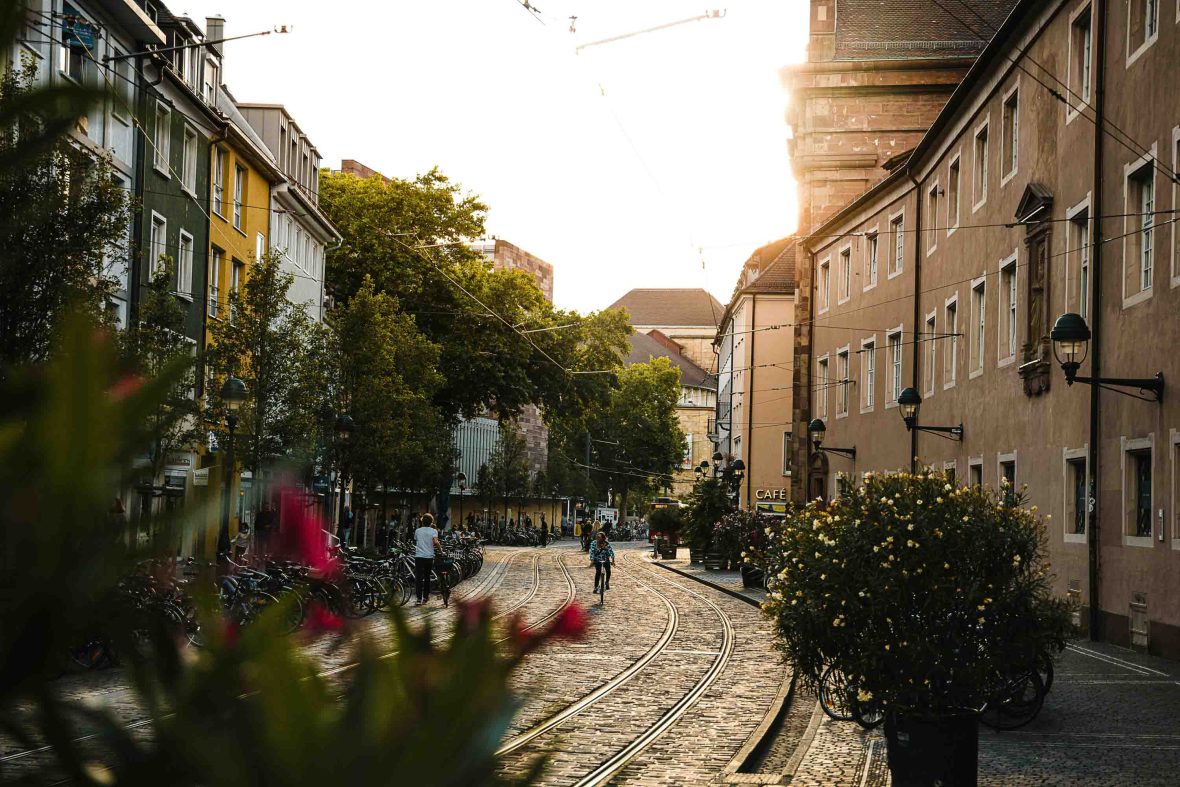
[1092,540]
[916,344]
[750,409]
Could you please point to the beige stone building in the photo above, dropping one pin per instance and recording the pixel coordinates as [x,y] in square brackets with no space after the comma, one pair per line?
[755,385]
[686,316]
[1019,204]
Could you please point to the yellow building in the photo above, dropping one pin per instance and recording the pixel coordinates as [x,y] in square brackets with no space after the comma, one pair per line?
[243,174]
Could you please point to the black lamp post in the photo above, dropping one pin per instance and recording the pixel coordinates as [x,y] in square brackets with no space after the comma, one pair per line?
[737,472]
[817,429]
[233,393]
[1071,345]
[717,457]
[344,426]
[909,403]
[462,479]
[701,470]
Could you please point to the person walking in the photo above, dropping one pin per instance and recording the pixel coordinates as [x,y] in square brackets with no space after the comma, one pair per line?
[586,529]
[544,532]
[602,555]
[345,527]
[426,547]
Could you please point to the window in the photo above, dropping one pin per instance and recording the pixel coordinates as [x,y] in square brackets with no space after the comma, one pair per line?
[898,226]
[1141,484]
[235,287]
[1139,239]
[932,207]
[930,342]
[1077,500]
[952,205]
[162,137]
[821,389]
[239,193]
[871,262]
[950,363]
[825,286]
[1008,478]
[219,181]
[121,107]
[950,469]
[868,372]
[845,274]
[215,261]
[297,256]
[212,80]
[1080,46]
[1079,249]
[1143,26]
[975,472]
[978,324]
[184,264]
[1011,150]
[188,165]
[1175,438]
[842,371]
[894,340]
[259,247]
[76,35]
[786,453]
[979,181]
[1007,339]
[158,245]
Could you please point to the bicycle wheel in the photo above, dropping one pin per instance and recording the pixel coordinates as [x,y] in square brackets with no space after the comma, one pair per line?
[869,715]
[834,695]
[1021,701]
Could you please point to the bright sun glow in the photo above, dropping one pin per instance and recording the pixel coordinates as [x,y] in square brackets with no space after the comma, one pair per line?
[615,165]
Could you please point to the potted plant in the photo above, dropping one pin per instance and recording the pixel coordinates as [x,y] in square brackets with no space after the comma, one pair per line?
[667,522]
[708,503]
[922,602]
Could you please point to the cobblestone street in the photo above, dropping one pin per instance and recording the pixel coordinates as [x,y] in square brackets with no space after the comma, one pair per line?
[678,683]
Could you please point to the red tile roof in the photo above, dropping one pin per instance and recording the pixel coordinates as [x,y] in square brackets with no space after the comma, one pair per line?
[671,307]
[916,29]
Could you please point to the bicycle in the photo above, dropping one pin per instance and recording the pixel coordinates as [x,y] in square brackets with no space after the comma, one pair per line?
[840,700]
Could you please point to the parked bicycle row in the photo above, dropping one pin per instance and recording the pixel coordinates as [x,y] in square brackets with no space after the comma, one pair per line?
[165,593]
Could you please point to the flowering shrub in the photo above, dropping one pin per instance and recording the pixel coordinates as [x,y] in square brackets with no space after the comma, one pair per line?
[740,535]
[923,593]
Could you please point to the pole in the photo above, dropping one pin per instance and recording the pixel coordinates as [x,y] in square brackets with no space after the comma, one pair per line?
[231,421]
[460,506]
[340,509]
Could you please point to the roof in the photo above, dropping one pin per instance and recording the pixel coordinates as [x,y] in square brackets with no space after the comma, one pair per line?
[916,29]
[671,307]
[645,347]
[779,276]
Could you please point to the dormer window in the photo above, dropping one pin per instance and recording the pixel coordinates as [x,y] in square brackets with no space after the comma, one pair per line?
[212,80]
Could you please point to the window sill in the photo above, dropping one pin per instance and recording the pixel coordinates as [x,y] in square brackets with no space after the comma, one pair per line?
[974,374]
[189,192]
[240,231]
[895,273]
[1142,542]
[891,404]
[950,385]
[184,296]
[1075,538]
[873,286]
[1137,298]
[1011,359]
[975,208]
[929,392]
[841,415]
[932,249]
[1006,179]
[1146,45]
[1072,113]
[867,410]
[951,230]
[164,173]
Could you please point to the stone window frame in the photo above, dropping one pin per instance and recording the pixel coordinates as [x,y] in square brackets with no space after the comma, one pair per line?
[1008,264]
[895,332]
[162,139]
[1174,452]
[1129,446]
[188,159]
[953,466]
[930,354]
[1130,172]
[184,267]
[1008,174]
[979,199]
[896,264]
[844,285]
[1175,244]
[1073,255]
[950,371]
[1080,95]
[872,238]
[868,374]
[978,315]
[972,463]
[1003,459]
[931,198]
[824,287]
[153,261]
[1133,7]
[843,353]
[825,362]
[954,166]
[1068,457]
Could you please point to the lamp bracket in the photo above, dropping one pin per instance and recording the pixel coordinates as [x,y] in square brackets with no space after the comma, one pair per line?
[947,432]
[1150,385]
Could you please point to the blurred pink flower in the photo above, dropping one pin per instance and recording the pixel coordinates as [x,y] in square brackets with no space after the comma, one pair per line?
[125,386]
[570,623]
[301,534]
[321,620]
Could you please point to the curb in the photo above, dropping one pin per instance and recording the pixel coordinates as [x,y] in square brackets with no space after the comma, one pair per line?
[707,583]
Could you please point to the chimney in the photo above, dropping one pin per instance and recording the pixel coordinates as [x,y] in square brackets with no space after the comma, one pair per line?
[215,31]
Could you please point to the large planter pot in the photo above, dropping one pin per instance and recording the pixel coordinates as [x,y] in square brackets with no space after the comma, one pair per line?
[714,561]
[924,752]
[752,576]
[696,556]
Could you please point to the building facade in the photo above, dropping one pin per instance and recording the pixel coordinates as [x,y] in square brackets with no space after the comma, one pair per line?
[1019,205]
[686,316]
[755,388]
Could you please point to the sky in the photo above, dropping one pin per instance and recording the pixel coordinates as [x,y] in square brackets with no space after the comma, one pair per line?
[659,160]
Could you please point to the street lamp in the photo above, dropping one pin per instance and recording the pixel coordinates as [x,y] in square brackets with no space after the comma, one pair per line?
[909,403]
[233,393]
[344,427]
[737,473]
[1071,345]
[717,457]
[817,429]
[462,479]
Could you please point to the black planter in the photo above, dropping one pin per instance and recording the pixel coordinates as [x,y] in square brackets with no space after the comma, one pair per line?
[924,752]
[696,556]
[752,577]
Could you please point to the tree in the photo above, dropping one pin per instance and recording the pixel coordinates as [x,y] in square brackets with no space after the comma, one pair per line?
[637,442]
[264,342]
[61,217]
[507,474]
[154,343]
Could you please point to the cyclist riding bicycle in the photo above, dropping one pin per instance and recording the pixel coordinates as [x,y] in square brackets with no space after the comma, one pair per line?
[602,555]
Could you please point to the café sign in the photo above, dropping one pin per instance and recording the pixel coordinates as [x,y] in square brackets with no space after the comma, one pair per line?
[770,494]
